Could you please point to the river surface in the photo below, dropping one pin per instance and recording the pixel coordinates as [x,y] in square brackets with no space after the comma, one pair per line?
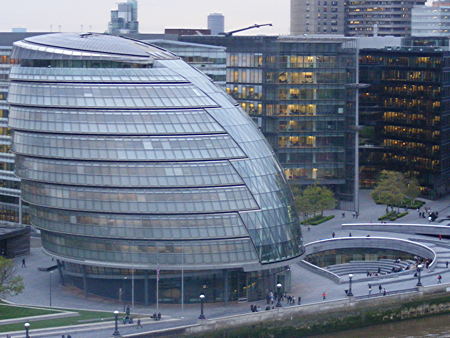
[433,327]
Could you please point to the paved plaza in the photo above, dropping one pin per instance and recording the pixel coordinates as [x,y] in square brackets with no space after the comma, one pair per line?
[305,283]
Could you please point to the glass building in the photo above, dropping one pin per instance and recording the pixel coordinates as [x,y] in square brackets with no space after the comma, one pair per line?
[210,60]
[301,92]
[405,113]
[137,166]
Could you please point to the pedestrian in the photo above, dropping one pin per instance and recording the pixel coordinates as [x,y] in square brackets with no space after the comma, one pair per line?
[439,278]
[139,324]
[446,265]
[370,289]
[343,215]
[309,228]
[440,237]
[380,288]
[299,300]
[23,263]
[384,292]
[349,234]
[333,234]
[324,295]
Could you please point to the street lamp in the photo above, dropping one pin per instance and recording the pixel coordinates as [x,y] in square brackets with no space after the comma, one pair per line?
[50,291]
[419,270]
[349,293]
[202,300]
[27,327]
[279,295]
[116,327]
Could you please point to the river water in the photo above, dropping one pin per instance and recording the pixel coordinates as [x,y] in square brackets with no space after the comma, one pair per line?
[433,327]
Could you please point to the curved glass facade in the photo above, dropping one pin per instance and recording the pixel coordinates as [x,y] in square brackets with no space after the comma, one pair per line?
[131,159]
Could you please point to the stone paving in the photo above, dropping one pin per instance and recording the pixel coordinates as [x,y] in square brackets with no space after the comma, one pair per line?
[305,283]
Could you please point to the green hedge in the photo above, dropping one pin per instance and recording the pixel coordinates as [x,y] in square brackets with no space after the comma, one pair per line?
[317,220]
[392,216]
[407,203]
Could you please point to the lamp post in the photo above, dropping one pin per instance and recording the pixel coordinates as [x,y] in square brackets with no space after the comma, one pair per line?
[202,300]
[419,270]
[27,328]
[350,294]
[116,327]
[279,295]
[50,289]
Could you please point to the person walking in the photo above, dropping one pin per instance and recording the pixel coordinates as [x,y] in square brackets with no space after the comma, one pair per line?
[139,324]
[333,234]
[384,292]
[370,289]
[439,278]
[23,263]
[324,295]
[446,265]
[343,215]
[299,299]
[380,288]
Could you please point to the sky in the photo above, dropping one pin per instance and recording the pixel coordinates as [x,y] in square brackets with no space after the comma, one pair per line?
[154,15]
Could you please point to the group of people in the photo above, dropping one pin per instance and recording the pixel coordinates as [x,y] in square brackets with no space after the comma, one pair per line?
[428,214]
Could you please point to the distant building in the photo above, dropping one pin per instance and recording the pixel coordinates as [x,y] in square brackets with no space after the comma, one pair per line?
[405,113]
[124,20]
[211,60]
[216,23]
[431,20]
[374,17]
[187,31]
[317,17]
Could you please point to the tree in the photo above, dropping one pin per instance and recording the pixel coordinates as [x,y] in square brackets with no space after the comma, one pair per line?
[393,188]
[9,283]
[314,199]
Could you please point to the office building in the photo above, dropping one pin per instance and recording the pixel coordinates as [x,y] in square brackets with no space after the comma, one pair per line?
[124,19]
[137,166]
[431,20]
[216,23]
[405,113]
[374,17]
[300,91]
[210,60]
[317,17]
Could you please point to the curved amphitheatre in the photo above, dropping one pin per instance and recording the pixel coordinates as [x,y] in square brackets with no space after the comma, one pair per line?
[387,243]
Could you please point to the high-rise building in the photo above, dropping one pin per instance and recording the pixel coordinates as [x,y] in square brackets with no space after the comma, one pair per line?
[300,91]
[405,113]
[431,20]
[124,20]
[317,17]
[374,17]
[216,23]
[133,162]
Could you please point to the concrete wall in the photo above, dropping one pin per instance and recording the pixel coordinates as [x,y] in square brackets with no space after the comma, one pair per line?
[323,316]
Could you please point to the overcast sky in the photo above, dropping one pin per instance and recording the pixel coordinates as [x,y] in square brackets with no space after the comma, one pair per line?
[154,15]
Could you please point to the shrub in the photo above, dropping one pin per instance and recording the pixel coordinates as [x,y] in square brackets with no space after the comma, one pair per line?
[317,220]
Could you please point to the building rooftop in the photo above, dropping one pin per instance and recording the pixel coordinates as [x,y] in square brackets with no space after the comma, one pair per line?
[99,43]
